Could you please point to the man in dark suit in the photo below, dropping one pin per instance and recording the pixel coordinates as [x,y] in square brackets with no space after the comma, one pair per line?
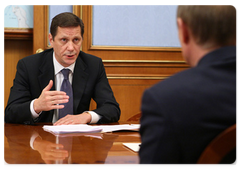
[182,114]
[36,96]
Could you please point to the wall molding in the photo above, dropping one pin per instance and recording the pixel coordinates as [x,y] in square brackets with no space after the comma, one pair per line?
[145,61]
[136,77]
[133,48]
[18,33]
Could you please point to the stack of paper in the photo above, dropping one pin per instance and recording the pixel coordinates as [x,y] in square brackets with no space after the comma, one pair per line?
[83,128]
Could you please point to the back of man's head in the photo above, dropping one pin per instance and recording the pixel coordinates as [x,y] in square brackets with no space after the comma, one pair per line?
[210,25]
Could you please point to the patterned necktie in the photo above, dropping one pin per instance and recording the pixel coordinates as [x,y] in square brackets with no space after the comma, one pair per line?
[67,88]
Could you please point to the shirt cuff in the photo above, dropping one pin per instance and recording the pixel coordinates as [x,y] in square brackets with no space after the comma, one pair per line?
[95,117]
[34,114]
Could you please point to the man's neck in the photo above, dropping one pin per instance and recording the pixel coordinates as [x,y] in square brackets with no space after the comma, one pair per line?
[198,52]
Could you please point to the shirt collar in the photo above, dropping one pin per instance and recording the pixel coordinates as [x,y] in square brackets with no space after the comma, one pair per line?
[58,67]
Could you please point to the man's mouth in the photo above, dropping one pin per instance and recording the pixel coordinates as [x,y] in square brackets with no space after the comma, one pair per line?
[69,55]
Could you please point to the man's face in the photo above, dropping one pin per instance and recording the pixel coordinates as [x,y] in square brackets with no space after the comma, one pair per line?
[66,44]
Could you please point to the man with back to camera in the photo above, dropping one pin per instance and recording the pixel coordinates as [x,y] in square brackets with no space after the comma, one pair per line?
[37,95]
[182,114]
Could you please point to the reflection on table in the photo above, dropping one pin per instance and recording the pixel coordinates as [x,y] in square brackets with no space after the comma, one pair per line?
[25,144]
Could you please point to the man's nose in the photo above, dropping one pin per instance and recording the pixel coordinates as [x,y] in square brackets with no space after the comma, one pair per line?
[70,46]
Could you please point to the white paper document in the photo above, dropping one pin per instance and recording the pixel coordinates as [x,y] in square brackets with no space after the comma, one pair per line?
[83,128]
[112,128]
[133,146]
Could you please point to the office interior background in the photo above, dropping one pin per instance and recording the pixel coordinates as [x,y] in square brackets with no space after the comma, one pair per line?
[138,44]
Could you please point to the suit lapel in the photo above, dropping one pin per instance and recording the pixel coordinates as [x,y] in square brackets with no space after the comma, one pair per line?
[46,71]
[80,77]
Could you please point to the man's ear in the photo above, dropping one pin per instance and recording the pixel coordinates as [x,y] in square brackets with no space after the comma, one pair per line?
[183,31]
[50,37]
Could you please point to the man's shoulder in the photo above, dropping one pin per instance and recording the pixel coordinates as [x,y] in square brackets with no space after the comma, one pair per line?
[181,78]
[38,56]
[179,82]
[89,60]
[86,56]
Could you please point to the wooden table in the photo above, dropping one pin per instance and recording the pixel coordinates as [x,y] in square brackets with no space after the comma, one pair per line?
[26,144]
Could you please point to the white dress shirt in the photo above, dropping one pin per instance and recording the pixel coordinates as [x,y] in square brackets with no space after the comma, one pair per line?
[58,82]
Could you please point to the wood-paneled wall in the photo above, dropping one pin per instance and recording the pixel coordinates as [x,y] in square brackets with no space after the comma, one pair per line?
[17,45]
[129,79]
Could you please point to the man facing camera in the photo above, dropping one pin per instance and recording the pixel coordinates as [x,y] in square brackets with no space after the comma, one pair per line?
[57,85]
[184,113]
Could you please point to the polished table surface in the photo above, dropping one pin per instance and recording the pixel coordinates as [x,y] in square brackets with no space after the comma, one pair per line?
[30,144]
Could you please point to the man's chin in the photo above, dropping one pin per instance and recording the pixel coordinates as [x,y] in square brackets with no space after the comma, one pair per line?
[69,61]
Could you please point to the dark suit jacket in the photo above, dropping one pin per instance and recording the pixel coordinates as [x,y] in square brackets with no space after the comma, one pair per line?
[182,114]
[89,81]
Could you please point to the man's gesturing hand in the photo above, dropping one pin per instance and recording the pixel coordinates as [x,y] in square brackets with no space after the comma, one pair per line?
[48,100]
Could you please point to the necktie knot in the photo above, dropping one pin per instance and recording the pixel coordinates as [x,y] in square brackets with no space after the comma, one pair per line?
[65,73]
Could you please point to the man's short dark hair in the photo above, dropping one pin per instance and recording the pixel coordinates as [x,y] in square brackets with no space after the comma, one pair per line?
[210,25]
[66,19]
